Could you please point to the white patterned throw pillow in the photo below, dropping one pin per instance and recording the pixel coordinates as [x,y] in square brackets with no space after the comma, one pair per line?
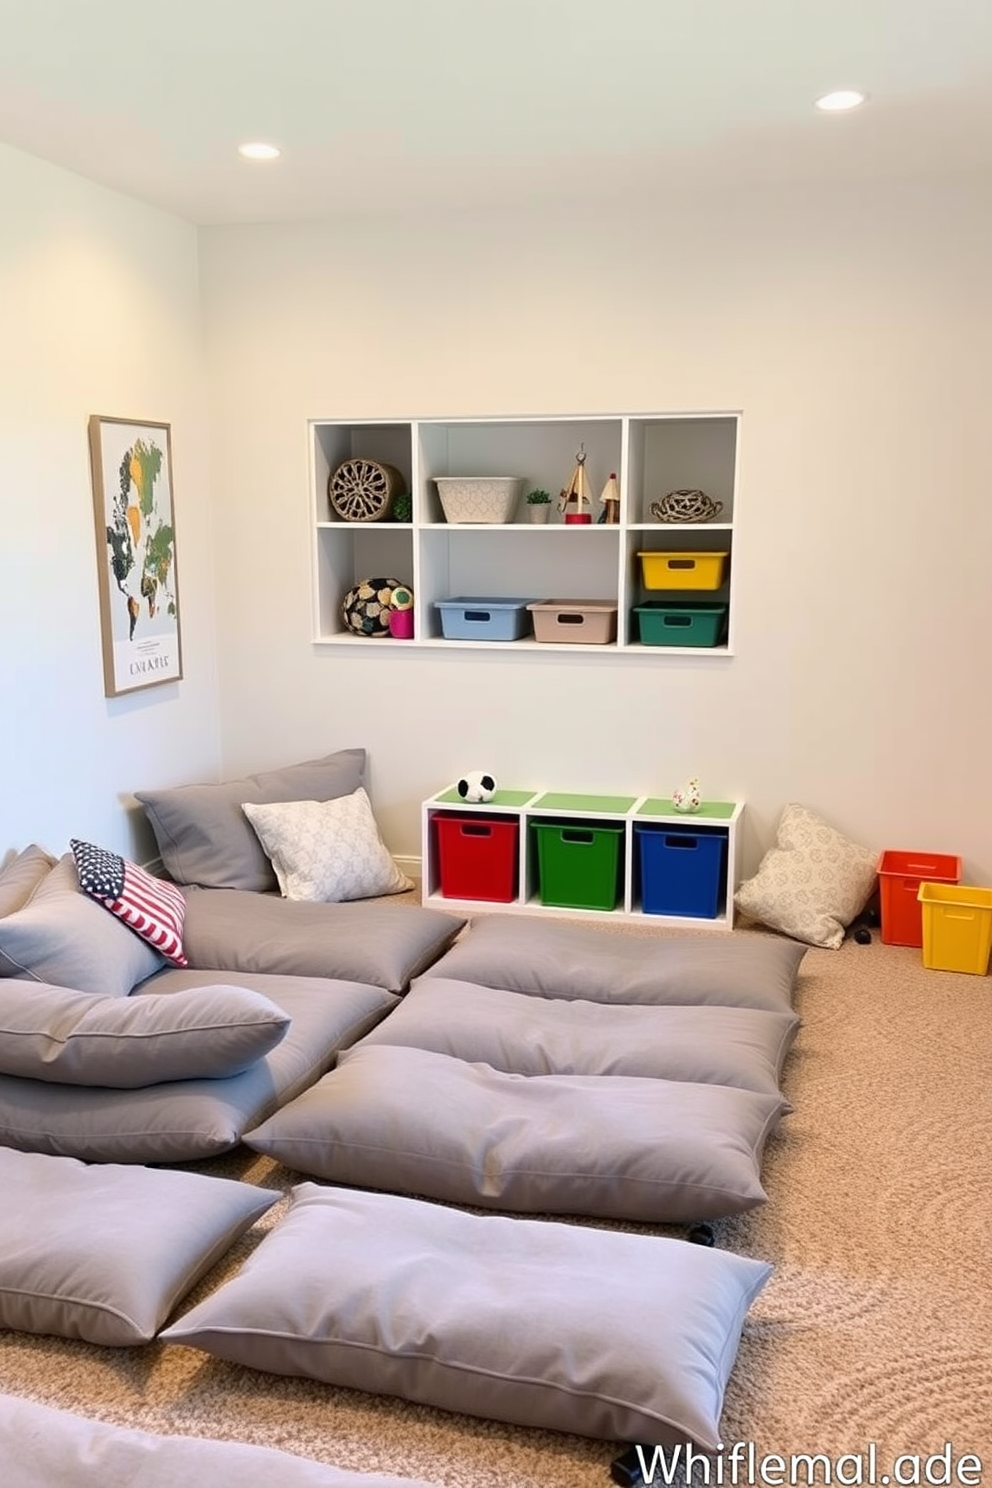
[812,883]
[326,851]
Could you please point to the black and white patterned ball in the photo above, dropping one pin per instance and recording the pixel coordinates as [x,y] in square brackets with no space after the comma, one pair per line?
[365,608]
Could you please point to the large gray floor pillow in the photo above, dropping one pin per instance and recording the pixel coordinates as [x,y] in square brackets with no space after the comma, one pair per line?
[67,1037]
[42,1447]
[553,1036]
[204,837]
[103,1251]
[555,958]
[60,935]
[385,944]
[605,1146]
[189,1119]
[21,875]
[544,1324]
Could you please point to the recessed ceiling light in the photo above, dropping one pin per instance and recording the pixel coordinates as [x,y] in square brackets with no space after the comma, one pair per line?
[258,152]
[844,98]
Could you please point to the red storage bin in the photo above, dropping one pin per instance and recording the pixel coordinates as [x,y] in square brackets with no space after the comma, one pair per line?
[478,856]
[899,877]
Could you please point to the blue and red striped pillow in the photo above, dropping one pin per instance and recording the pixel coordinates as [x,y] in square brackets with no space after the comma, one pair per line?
[149,906]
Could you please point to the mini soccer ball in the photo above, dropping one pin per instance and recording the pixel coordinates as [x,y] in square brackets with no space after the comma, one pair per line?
[366,607]
[477,786]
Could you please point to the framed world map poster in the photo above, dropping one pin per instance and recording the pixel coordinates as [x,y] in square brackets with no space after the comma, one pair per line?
[131,465]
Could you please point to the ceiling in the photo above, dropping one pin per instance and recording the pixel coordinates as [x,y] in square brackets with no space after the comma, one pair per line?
[390,107]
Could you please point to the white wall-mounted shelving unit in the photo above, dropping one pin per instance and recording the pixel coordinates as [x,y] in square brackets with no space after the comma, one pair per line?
[651,454]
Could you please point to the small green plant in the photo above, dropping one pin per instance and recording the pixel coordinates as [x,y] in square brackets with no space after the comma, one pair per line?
[538,498]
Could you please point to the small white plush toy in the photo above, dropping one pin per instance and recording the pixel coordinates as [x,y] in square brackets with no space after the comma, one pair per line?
[686,797]
[477,785]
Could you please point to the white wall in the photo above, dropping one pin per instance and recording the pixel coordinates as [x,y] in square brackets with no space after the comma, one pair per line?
[852,328]
[99,313]
[849,325]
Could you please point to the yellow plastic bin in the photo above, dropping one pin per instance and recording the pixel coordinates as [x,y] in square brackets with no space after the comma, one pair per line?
[957,927]
[683,570]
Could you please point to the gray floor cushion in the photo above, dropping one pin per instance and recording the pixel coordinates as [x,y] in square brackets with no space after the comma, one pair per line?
[527,1035]
[607,1334]
[103,1251]
[385,944]
[62,936]
[76,1038]
[203,835]
[559,958]
[189,1119]
[21,875]
[45,1448]
[610,1146]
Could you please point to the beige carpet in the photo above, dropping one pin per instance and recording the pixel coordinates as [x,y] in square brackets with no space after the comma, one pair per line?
[875,1328]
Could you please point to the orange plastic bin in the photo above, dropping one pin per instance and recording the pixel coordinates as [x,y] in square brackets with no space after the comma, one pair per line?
[899,877]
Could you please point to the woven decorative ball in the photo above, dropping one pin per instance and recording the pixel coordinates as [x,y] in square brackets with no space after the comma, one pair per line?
[364,490]
[686,506]
[402,598]
[365,608]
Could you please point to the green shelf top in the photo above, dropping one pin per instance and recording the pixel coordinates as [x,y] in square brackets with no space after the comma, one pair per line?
[565,801]
[708,811]
[500,798]
[603,805]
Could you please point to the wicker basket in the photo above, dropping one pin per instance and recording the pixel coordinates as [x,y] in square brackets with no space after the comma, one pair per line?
[686,505]
[364,490]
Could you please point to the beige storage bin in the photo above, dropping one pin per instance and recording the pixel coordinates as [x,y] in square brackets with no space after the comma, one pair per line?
[593,622]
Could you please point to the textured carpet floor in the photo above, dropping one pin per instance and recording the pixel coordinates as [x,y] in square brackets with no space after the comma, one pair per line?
[875,1328]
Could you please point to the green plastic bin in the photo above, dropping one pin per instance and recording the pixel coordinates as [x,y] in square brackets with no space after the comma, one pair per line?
[662,624]
[579,864]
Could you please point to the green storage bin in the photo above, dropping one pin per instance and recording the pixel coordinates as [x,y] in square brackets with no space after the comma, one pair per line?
[662,624]
[579,864]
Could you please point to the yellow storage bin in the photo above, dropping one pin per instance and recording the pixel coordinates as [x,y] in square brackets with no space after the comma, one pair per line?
[680,570]
[957,927]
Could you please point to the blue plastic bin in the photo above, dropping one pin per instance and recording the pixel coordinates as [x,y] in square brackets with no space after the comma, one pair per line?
[484,619]
[682,872]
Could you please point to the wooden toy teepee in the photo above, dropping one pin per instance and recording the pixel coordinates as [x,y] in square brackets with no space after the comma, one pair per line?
[575,500]
[610,501]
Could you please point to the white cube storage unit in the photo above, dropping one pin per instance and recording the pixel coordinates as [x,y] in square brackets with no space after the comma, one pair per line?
[502,555]
[595,856]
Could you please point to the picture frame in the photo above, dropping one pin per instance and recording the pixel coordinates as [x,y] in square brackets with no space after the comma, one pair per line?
[134,514]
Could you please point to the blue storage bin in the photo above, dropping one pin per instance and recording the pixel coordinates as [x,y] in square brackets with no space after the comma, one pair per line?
[683,872]
[484,619]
